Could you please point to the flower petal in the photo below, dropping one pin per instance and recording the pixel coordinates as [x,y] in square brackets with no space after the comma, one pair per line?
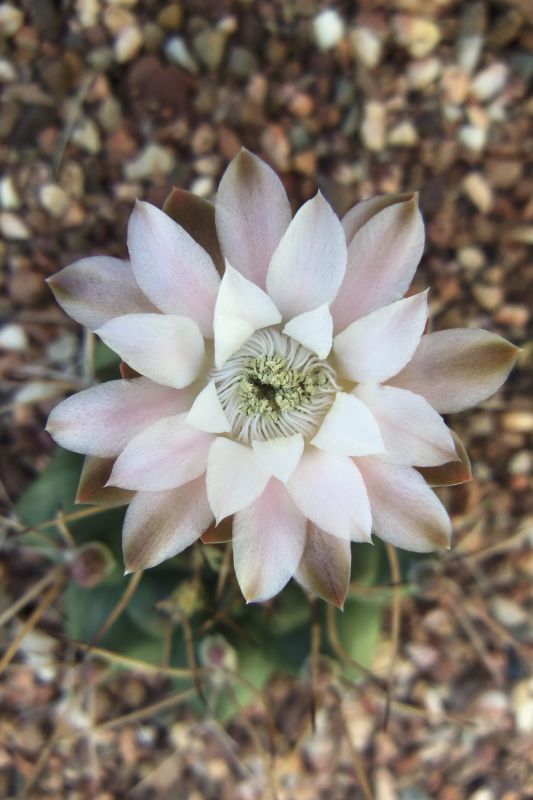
[207,413]
[324,568]
[314,330]
[252,214]
[219,534]
[413,433]
[329,491]
[280,457]
[159,525]
[163,456]
[362,212]
[101,420]
[309,263]
[235,477]
[197,216]
[382,259]
[268,541]
[457,368]
[241,309]
[378,346]
[171,268]
[452,473]
[166,348]
[349,428]
[94,290]
[92,488]
[405,511]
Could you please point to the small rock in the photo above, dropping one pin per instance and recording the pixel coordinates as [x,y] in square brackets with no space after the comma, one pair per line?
[403,135]
[203,139]
[53,199]
[522,700]
[13,338]
[127,44]
[455,85]
[9,197]
[203,186]
[276,146]
[373,126]
[472,137]
[505,29]
[13,227]
[7,71]
[11,20]
[109,114]
[522,234]
[488,297]
[153,160]
[63,350]
[209,46]
[367,46]
[301,105]
[503,173]
[72,179]
[471,258]
[478,191]
[518,421]
[509,613]
[170,17]
[87,136]
[490,82]
[178,53]
[88,12]
[422,73]
[328,28]
[305,163]
[242,62]
[418,35]
[471,36]
[27,288]
[513,315]
[116,19]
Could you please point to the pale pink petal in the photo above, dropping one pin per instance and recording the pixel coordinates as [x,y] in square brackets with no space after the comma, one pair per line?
[314,330]
[309,263]
[159,525]
[382,259]
[252,214]
[452,473]
[328,490]
[458,368]
[280,457]
[173,270]
[235,477]
[94,290]
[92,488]
[268,541]
[413,432]
[405,511]
[362,212]
[163,456]
[101,420]
[324,568]
[349,428]
[197,216]
[241,309]
[378,346]
[207,413]
[166,348]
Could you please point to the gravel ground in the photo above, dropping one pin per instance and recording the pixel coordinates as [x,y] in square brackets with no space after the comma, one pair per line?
[104,101]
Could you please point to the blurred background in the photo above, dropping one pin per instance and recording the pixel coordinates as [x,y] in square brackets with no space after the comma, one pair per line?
[105,101]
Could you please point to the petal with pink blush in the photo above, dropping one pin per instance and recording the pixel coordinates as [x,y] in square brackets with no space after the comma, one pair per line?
[235,477]
[458,368]
[171,268]
[159,525]
[349,428]
[314,330]
[379,345]
[93,489]
[280,457]
[309,263]
[405,511]
[167,349]
[206,412]
[324,568]
[252,214]
[163,456]
[451,473]
[362,212]
[197,216]
[382,259]
[268,541]
[329,491]
[101,420]
[413,433]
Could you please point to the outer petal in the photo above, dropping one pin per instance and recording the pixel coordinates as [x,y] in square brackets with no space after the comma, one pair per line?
[252,214]
[171,268]
[382,259]
[268,542]
[324,568]
[360,214]
[310,261]
[101,420]
[159,525]
[166,348]
[281,456]
[405,511]
[197,216]
[378,346]
[452,473]
[207,413]
[349,428]
[92,487]
[458,368]
[329,491]
[235,477]
[241,308]
[413,432]
[163,456]
[94,290]
[314,330]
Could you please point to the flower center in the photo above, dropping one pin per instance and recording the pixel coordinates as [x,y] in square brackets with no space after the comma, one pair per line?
[273,386]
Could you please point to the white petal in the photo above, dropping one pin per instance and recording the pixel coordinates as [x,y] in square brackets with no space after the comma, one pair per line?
[328,490]
[101,420]
[349,428]
[268,542]
[362,212]
[168,349]
[173,270]
[163,456]
[405,511]
[412,431]
[325,566]
[309,263]
[207,413]
[235,477]
[241,309]
[280,457]
[314,330]
[378,346]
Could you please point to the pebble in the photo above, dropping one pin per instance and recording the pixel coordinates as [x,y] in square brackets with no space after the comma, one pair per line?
[503,173]
[53,199]
[242,62]
[522,234]
[418,35]
[116,19]
[88,12]
[276,146]
[423,72]
[513,314]
[13,227]
[87,136]
[170,17]
[203,139]
[7,71]
[373,126]
[305,163]
[471,258]
[153,160]
[209,46]
[178,53]
[471,36]
[488,297]
[490,82]
[403,135]
[518,421]
[127,44]
[11,20]
[13,338]
[478,191]
[522,699]
[367,46]
[328,28]
[203,186]
[473,137]
[455,85]
[9,197]
[109,114]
